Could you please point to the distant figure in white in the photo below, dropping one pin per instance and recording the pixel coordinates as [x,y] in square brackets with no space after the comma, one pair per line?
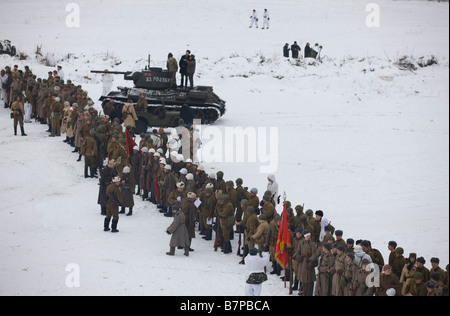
[272,186]
[266,19]
[254,19]
[28,109]
[60,73]
[107,80]
[255,271]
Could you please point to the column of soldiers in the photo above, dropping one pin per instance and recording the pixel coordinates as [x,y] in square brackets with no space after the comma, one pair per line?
[321,262]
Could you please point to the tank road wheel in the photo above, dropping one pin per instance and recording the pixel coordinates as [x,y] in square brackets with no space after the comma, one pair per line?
[141,126]
[199,115]
[211,116]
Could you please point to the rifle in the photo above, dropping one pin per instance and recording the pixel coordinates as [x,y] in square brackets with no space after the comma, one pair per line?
[291,274]
[240,240]
[216,242]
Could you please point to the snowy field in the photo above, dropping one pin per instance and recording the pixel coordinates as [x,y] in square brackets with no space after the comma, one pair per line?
[359,138]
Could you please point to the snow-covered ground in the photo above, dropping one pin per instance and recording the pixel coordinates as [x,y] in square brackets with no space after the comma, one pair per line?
[358,138]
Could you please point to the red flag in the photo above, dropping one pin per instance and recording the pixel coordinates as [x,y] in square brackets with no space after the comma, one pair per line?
[130,143]
[283,241]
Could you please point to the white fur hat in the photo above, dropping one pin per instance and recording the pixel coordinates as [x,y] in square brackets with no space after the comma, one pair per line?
[190,176]
[180,185]
[126,169]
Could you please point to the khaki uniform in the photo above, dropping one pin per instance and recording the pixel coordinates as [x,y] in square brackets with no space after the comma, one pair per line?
[55,117]
[18,111]
[226,216]
[113,200]
[305,268]
[207,208]
[261,234]
[90,152]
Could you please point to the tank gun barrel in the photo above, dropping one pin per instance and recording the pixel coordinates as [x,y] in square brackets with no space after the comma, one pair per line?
[111,72]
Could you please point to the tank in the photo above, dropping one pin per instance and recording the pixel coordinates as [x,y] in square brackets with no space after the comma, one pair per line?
[166,105]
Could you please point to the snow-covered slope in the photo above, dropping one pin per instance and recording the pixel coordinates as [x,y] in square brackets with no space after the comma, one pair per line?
[358,138]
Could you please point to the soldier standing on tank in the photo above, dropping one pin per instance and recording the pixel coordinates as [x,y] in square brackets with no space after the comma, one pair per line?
[172,66]
[191,70]
[183,68]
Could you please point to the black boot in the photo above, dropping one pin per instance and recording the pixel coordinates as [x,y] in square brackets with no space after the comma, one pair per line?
[227,247]
[288,275]
[72,141]
[122,210]
[66,140]
[278,267]
[77,149]
[208,235]
[130,212]
[163,210]
[295,287]
[169,212]
[79,157]
[274,267]
[106,225]
[103,210]
[15,130]
[23,131]
[114,226]
[86,172]
[92,172]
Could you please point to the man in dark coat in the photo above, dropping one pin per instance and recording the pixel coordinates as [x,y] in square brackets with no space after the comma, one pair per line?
[307,50]
[286,50]
[107,174]
[295,50]
[183,63]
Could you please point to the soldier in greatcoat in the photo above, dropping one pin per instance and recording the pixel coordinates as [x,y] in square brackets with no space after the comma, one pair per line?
[113,201]
[179,232]
[127,185]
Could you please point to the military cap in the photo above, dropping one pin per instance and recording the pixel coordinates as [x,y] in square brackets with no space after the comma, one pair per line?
[327,246]
[250,210]
[244,202]
[351,256]
[239,181]
[253,251]
[262,217]
[399,250]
